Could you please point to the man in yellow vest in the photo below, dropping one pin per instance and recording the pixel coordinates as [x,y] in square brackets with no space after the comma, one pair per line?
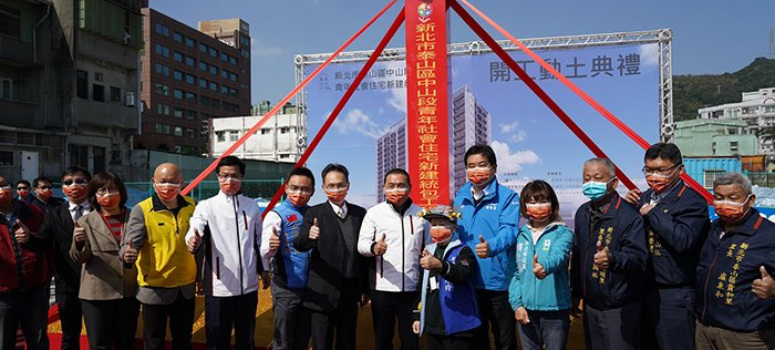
[154,241]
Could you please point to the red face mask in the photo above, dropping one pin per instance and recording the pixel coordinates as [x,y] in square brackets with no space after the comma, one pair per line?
[336,196]
[45,194]
[167,191]
[440,233]
[75,191]
[23,193]
[538,211]
[659,182]
[396,195]
[479,175]
[231,186]
[730,212]
[109,201]
[6,194]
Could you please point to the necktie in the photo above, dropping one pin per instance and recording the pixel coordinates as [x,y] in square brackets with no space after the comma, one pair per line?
[78,213]
[340,212]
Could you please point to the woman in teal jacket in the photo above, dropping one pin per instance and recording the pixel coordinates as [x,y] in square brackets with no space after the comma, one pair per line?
[539,293]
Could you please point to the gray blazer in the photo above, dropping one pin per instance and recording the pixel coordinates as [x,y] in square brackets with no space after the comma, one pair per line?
[103,276]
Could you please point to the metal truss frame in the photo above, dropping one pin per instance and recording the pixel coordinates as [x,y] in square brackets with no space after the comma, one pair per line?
[662,37]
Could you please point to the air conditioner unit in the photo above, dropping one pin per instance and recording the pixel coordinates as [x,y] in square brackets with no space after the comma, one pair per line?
[130,99]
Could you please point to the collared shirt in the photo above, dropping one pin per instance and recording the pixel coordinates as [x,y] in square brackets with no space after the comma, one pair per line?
[657,197]
[341,211]
[86,208]
[482,193]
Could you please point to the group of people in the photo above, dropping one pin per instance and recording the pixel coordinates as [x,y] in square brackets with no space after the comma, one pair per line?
[647,271]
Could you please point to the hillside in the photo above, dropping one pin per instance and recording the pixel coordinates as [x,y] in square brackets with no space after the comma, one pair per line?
[692,92]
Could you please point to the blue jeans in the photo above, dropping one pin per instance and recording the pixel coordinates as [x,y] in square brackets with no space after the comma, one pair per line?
[28,309]
[546,328]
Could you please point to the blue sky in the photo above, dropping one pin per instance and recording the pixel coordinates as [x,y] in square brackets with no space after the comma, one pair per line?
[711,36]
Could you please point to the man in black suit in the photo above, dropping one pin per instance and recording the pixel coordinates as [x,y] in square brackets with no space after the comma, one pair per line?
[58,228]
[337,274]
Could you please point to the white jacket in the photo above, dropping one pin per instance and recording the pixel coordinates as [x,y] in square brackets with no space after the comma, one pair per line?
[233,225]
[398,270]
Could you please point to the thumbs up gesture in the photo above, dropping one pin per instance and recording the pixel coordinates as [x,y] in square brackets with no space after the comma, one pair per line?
[538,269]
[483,248]
[194,242]
[79,235]
[764,288]
[22,233]
[380,247]
[429,262]
[130,255]
[602,256]
[274,240]
[314,231]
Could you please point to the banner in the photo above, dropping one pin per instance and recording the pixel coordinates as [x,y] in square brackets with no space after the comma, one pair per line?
[427,112]
[489,104]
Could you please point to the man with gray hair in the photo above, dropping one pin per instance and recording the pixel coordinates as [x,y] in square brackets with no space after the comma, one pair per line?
[609,260]
[735,290]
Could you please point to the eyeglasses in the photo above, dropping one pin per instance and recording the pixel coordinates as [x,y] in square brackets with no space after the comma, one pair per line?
[659,172]
[231,178]
[336,188]
[77,181]
[45,187]
[304,191]
[105,192]
[23,188]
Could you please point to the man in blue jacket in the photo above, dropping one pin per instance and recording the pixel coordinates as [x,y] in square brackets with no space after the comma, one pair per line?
[676,221]
[609,259]
[735,291]
[489,227]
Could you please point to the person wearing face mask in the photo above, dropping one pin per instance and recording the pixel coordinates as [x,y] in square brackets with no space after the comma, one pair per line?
[154,242]
[289,266]
[227,227]
[57,229]
[43,196]
[24,274]
[447,312]
[107,291]
[489,227]
[393,233]
[539,293]
[23,191]
[608,261]
[338,275]
[676,221]
[735,290]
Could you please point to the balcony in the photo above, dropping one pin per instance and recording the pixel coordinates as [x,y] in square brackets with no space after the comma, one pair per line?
[15,52]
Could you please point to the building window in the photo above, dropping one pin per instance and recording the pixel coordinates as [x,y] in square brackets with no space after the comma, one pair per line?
[6,87]
[245,41]
[213,87]
[98,92]
[191,97]
[232,77]
[115,94]
[213,52]
[162,109]
[190,133]
[733,146]
[177,56]
[220,136]
[202,66]
[203,83]
[233,135]
[203,48]
[265,131]
[178,75]
[224,74]
[215,103]
[6,158]
[82,84]
[190,79]
[710,175]
[162,50]
[10,22]
[177,37]
[190,61]
[769,109]
[213,70]
[224,57]
[162,29]
[179,112]
[190,42]
[285,130]
[191,115]
[178,94]
[178,131]
[162,89]
[233,60]
[162,69]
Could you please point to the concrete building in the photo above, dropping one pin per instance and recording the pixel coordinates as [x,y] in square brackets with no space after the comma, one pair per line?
[69,77]
[391,153]
[714,137]
[277,140]
[757,110]
[189,76]
[471,125]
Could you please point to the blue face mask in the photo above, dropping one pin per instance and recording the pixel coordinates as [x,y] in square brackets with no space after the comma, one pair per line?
[595,190]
